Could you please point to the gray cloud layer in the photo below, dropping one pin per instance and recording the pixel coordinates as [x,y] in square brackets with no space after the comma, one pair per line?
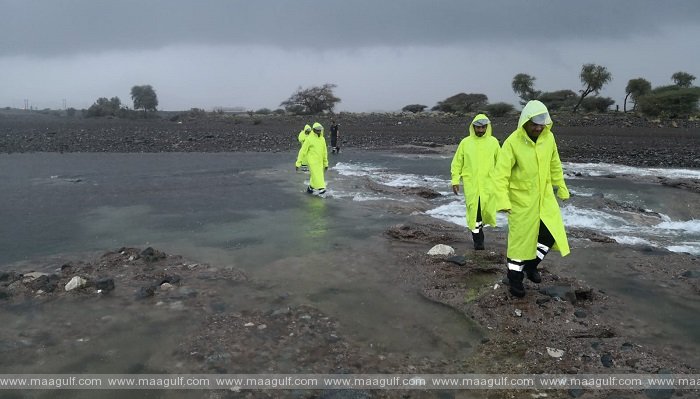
[61,28]
[382,54]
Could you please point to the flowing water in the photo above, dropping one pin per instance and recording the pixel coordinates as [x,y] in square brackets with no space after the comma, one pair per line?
[249,211]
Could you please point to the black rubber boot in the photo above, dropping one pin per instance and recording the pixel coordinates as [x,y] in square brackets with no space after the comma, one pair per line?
[515,281]
[478,240]
[531,272]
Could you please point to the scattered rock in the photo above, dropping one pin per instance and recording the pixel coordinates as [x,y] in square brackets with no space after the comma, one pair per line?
[441,249]
[45,283]
[422,192]
[33,275]
[457,259]
[564,292]
[166,287]
[145,292]
[691,274]
[105,284]
[151,255]
[607,360]
[75,282]
[555,353]
[171,279]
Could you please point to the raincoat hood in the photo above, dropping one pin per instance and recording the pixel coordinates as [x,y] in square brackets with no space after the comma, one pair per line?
[533,108]
[307,129]
[318,126]
[488,127]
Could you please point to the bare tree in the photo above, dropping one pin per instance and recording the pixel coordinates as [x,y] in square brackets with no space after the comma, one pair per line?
[593,77]
[313,100]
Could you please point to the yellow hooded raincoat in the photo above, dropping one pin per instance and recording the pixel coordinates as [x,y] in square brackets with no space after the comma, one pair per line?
[315,153]
[473,163]
[302,136]
[524,177]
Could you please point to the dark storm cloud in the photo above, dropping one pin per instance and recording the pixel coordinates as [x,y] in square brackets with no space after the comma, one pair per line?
[61,28]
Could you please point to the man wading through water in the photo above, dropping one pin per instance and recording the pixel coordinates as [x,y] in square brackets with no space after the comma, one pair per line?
[526,175]
[472,163]
[315,152]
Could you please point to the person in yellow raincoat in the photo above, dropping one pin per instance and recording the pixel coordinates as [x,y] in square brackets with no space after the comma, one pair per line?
[472,163]
[526,175]
[315,152]
[302,136]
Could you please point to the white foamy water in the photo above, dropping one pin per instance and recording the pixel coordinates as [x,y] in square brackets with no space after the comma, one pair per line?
[593,219]
[581,192]
[690,226]
[455,212]
[631,231]
[628,240]
[624,227]
[390,178]
[356,169]
[604,169]
[691,248]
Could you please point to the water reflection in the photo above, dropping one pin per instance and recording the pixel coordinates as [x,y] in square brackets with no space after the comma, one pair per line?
[316,219]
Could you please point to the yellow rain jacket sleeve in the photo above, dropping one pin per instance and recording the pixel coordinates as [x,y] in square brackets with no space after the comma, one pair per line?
[315,152]
[302,137]
[473,164]
[524,180]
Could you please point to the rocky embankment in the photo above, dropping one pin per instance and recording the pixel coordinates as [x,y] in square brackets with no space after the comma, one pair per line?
[612,138]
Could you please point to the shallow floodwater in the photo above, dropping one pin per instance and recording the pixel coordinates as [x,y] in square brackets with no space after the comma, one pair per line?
[249,211]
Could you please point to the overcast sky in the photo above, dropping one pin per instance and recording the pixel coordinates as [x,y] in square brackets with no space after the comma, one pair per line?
[381,54]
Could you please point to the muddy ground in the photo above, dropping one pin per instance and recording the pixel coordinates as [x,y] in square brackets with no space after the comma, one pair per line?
[562,326]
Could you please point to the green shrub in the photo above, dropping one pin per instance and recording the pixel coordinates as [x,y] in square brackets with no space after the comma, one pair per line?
[415,108]
[667,102]
[597,104]
[104,107]
[558,100]
[499,109]
[462,103]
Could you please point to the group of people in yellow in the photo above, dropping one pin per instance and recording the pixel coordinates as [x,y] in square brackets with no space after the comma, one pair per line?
[313,156]
[518,178]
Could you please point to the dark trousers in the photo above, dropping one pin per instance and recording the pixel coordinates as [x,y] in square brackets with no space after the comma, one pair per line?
[545,240]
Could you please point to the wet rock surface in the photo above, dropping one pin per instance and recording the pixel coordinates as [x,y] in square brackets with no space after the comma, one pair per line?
[562,325]
[127,272]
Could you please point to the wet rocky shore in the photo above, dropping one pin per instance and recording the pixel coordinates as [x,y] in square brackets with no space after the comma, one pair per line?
[612,138]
